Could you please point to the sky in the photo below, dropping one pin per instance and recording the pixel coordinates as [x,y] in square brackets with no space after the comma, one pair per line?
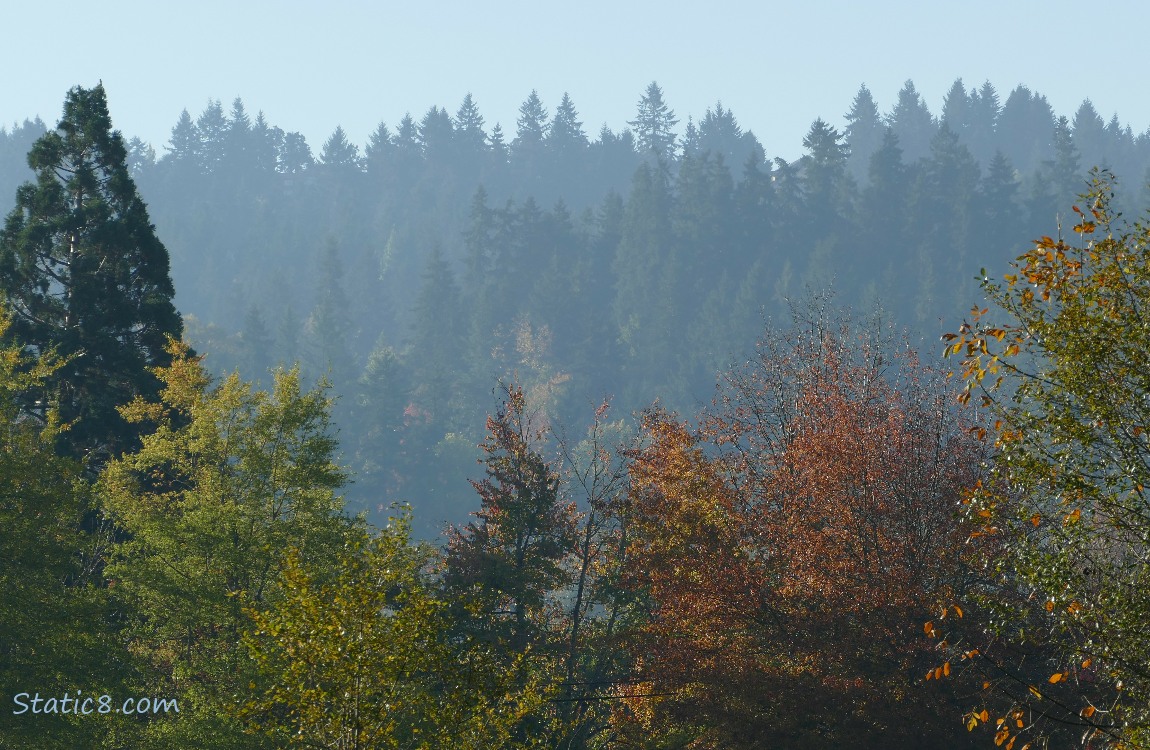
[311,66]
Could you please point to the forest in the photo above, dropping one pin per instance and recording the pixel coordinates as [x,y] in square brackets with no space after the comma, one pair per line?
[646,439]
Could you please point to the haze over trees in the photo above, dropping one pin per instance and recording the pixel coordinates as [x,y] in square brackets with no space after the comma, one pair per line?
[713,507]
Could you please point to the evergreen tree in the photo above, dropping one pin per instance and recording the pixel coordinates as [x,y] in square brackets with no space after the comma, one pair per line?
[296,155]
[912,122]
[567,136]
[1064,171]
[655,125]
[468,123]
[338,152]
[328,328]
[531,127]
[184,146]
[1089,134]
[212,126]
[509,561]
[719,133]
[86,275]
[984,109]
[1025,129]
[826,189]
[863,133]
[956,111]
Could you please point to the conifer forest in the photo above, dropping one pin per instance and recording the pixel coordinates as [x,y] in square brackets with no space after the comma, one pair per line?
[642,438]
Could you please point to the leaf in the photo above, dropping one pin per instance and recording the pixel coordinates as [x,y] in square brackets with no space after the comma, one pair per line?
[1087,712]
[1057,677]
[946,669]
[1037,694]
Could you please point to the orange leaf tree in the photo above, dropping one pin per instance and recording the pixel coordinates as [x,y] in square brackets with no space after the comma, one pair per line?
[788,548]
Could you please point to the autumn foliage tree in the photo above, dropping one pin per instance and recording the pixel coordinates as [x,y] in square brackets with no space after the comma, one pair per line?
[788,548]
[1063,366]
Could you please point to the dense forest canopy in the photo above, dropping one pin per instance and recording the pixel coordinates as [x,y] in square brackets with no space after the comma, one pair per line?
[713,507]
[636,263]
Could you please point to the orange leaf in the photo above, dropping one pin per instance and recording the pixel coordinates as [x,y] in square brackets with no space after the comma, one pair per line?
[1087,663]
[958,611]
[1057,677]
[1087,712]
[946,669]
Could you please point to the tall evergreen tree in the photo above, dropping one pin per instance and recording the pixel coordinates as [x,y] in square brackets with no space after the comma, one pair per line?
[863,133]
[984,109]
[532,125]
[85,274]
[655,125]
[212,125]
[567,136]
[1089,134]
[1025,129]
[912,122]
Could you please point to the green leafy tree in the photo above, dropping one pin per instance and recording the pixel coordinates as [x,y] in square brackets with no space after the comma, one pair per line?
[364,658]
[226,482]
[54,621]
[86,275]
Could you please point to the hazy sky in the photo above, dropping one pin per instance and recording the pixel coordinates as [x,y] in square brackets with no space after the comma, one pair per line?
[311,66]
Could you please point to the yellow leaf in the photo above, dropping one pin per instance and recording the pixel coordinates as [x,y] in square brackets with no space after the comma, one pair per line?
[971,723]
[1037,694]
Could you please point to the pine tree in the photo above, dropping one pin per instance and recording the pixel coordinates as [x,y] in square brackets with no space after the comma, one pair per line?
[86,275]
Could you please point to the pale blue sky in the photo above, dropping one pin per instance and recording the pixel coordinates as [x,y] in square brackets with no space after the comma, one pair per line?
[778,66]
